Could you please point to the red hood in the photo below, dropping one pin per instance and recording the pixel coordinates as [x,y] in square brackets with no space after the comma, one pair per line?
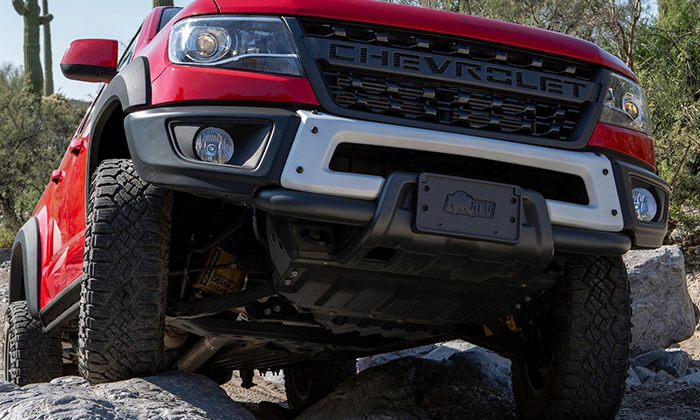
[383,13]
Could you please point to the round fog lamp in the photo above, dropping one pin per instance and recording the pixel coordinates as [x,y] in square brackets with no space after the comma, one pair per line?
[644,204]
[214,145]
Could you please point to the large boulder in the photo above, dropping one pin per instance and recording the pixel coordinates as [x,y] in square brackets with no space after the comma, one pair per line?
[662,311]
[170,396]
[472,384]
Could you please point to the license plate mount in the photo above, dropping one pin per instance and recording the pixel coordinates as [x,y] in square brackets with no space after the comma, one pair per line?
[468,208]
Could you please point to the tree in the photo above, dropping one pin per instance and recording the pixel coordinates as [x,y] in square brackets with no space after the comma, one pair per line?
[668,62]
[34,133]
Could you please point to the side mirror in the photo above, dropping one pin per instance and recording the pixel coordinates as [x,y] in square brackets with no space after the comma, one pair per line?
[90,60]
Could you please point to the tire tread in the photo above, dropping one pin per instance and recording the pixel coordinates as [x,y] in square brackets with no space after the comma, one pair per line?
[122,302]
[33,355]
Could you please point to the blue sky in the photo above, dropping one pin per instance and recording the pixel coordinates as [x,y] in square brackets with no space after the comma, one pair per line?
[74,19]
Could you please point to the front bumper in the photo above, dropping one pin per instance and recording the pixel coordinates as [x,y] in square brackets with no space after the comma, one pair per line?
[284,170]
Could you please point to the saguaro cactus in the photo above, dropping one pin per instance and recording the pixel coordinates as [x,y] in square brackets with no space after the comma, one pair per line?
[32,64]
[157,3]
[45,21]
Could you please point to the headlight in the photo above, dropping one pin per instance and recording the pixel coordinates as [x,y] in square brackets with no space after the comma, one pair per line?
[625,105]
[243,43]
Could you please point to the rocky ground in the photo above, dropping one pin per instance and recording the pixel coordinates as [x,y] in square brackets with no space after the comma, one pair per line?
[455,380]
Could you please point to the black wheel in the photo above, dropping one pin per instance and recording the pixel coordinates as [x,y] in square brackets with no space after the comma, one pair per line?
[308,382]
[29,355]
[581,334]
[122,301]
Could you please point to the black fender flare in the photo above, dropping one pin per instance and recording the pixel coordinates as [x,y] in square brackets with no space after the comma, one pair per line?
[25,267]
[130,89]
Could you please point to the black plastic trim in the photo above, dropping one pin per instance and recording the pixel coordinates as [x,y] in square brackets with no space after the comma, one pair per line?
[644,234]
[167,15]
[88,73]
[620,156]
[132,87]
[579,138]
[321,208]
[25,268]
[129,89]
[317,207]
[157,159]
[581,241]
[63,307]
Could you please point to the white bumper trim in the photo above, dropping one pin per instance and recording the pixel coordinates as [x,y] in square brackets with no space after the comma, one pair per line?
[307,167]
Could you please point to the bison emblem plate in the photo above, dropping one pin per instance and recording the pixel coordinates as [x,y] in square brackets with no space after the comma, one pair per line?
[468,208]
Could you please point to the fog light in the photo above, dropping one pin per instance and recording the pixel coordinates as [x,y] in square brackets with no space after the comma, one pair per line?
[644,204]
[214,145]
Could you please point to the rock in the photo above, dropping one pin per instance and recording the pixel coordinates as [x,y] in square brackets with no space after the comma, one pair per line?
[444,351]
[693,280]
[5,257]
[659,276]
[646,359]
[674,362]
[473,384]
[693,378]
[663,377]
[169,396]
[645,375]
[632,378]
[677,236]
[441,351]
[484,368]
[365,363]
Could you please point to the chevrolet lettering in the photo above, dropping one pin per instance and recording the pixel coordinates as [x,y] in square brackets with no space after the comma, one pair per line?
[456,69]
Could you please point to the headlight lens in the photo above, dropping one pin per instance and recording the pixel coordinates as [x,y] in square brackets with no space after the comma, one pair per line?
[244,43]
[625,105]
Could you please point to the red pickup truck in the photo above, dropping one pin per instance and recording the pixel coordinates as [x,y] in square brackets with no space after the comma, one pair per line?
[292,184]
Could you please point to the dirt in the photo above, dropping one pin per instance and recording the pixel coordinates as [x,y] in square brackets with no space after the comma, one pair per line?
[659,402]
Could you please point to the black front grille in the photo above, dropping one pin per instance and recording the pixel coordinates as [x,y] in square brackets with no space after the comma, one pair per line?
[431,80]
[484,52]
[382,161]
[451,105]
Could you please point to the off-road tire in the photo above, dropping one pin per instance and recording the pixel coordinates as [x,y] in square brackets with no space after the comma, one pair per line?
[122,301]
[29,355]
[590,338]
[306,383]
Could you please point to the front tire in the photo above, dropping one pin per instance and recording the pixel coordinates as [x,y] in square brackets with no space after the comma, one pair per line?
[29,355]
[583,331]
[122,302]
